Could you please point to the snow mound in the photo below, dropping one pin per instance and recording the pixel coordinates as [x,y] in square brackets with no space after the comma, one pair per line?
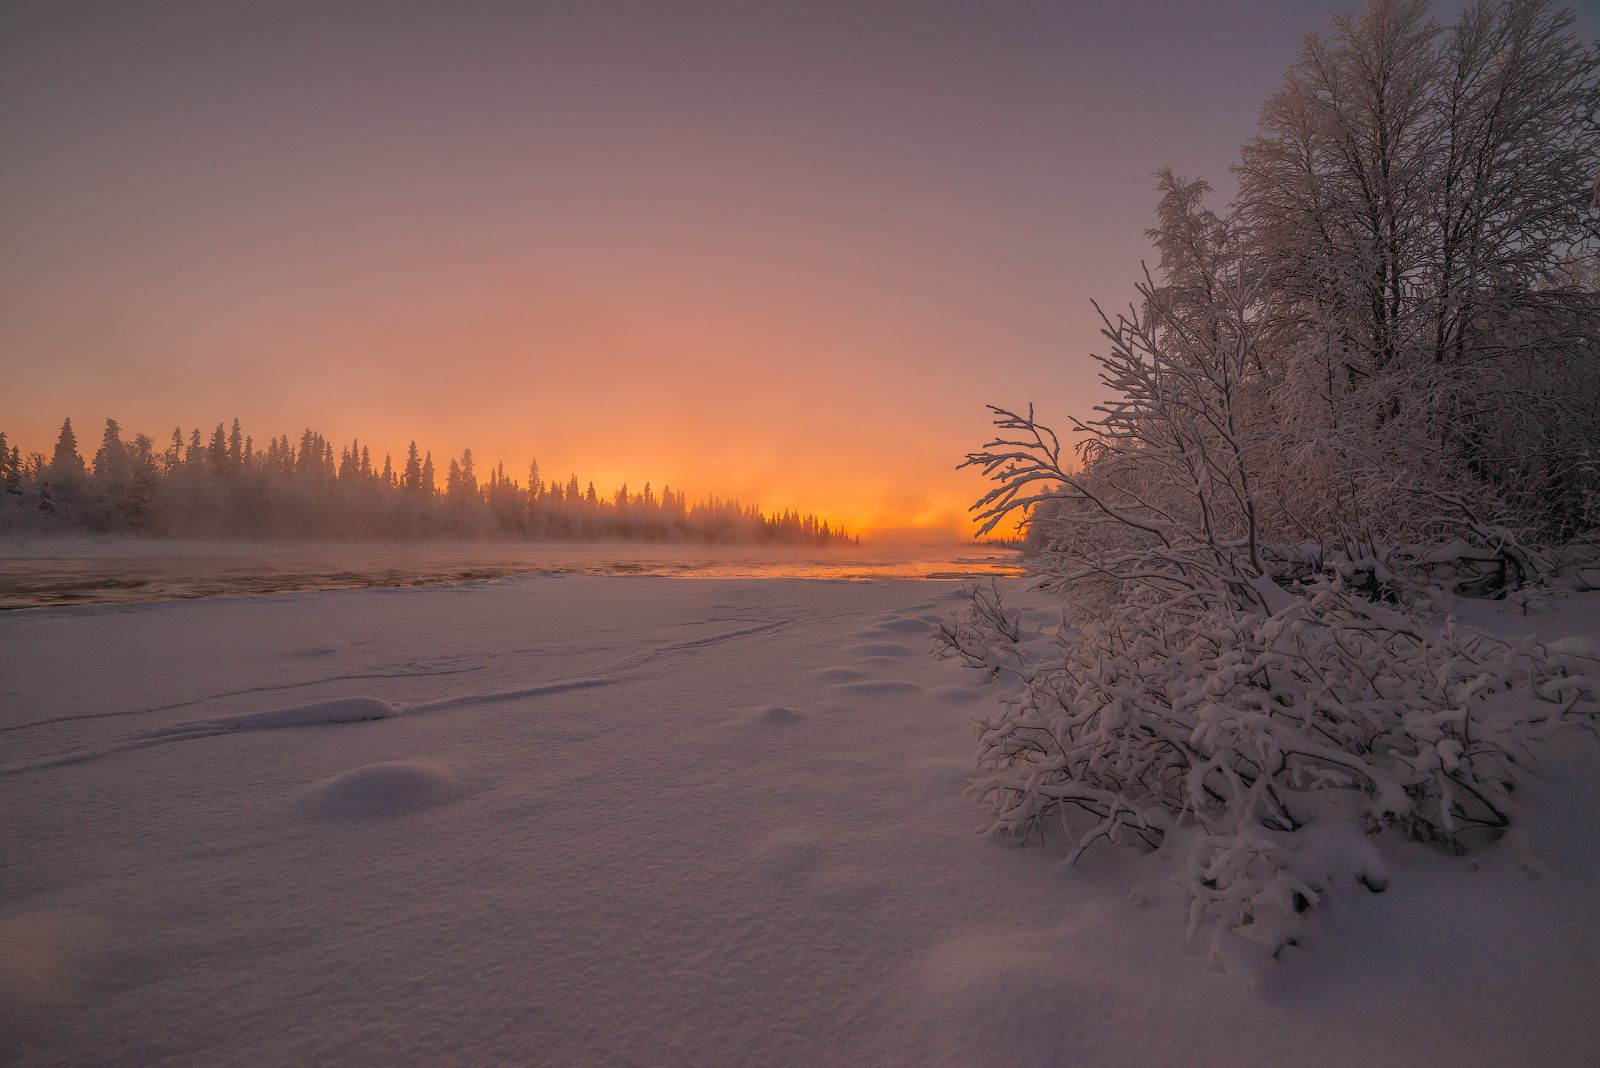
[339,710]
[774,715]
[376,789]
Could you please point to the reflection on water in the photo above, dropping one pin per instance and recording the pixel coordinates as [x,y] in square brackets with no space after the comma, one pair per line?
[41,573]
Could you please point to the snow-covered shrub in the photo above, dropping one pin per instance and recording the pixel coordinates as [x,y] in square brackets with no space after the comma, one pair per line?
[986,634]
[1260,738]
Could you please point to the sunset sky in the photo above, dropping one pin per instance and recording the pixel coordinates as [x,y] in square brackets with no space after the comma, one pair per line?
[779,252]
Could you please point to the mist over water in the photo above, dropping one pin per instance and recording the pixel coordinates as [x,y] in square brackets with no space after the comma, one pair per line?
[59,572]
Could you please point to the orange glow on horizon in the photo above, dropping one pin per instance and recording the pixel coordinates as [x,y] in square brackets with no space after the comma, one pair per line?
[782,415]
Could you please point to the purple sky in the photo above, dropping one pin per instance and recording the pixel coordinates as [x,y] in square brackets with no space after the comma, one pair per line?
[784,252]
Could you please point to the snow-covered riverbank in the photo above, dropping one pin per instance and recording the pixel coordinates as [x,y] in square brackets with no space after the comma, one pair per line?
[586,820]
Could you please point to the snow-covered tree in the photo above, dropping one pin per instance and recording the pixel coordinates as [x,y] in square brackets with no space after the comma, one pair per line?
[1381,360]
[1420,199]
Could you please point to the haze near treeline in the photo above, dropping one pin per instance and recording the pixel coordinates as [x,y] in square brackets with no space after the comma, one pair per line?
[229,488]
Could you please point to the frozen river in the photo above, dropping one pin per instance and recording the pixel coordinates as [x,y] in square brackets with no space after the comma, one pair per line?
[76,571]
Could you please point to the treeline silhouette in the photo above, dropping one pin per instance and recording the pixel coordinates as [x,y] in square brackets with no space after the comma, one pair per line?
[226,487]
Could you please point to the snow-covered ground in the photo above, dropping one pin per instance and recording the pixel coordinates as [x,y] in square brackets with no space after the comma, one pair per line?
[587,820]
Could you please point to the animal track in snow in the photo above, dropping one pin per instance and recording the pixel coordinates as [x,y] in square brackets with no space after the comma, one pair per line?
[317,714]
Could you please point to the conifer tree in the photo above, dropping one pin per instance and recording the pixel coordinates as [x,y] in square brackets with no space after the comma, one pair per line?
[67,480]
[413,473]
[217,450]
[66,465]
[173,459]
[13,476]
[113,473]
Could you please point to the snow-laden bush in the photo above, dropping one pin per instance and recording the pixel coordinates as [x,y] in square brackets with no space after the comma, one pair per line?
[1255,705]
[1265,740]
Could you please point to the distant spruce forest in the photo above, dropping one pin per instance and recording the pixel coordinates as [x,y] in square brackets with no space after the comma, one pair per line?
[228,488]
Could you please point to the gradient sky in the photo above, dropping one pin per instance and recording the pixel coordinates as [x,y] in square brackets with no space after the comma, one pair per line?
[780,252]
